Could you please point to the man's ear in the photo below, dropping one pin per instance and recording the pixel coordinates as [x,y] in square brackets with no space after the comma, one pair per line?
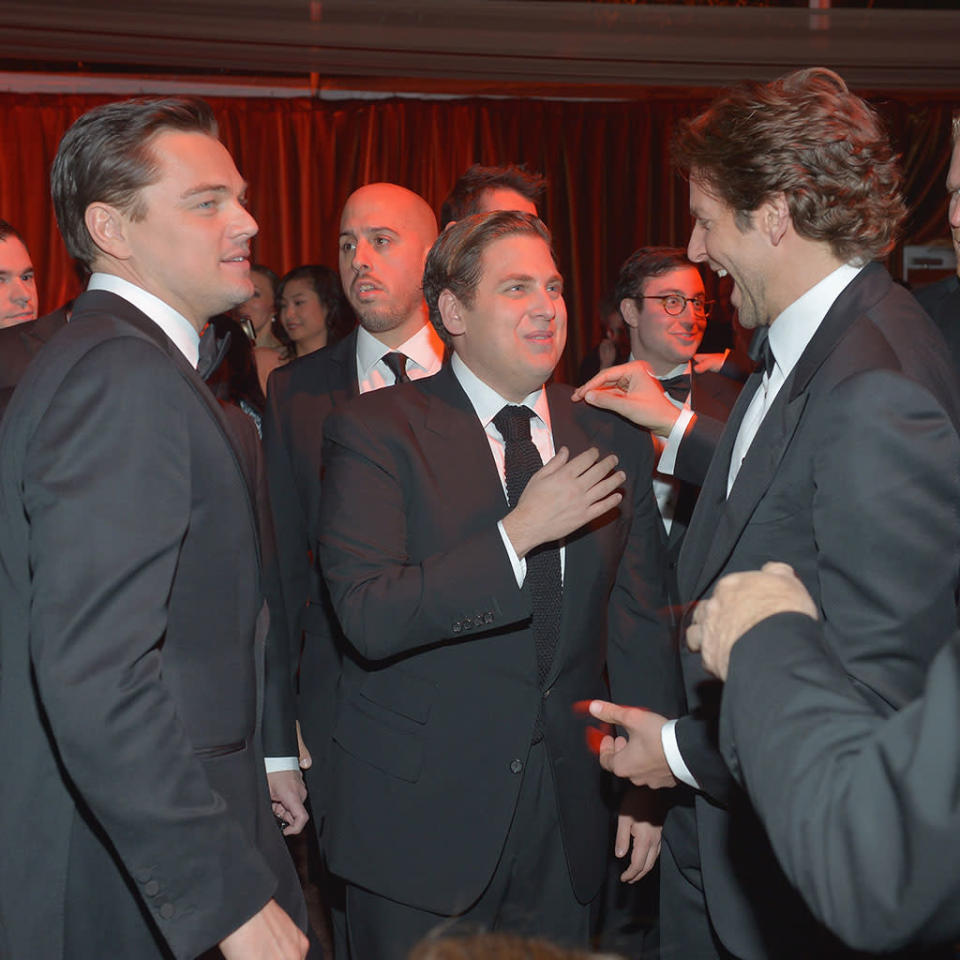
[774,218]
[630,312]
[451,312]
[107,228]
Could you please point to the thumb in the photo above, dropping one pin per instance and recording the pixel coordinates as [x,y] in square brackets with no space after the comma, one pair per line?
[779,568]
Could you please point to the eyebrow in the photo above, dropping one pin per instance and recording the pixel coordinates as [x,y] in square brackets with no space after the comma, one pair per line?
[211,188]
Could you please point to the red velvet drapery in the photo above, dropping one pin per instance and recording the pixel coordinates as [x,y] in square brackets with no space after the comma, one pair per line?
[611,185]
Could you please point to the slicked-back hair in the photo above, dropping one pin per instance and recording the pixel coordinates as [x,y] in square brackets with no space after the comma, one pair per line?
[644,263]
[325,283]
[807,136]
[466,197]
[7,229]
[106,157]
[455,261]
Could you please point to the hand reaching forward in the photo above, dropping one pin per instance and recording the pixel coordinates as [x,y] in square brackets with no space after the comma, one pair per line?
[740,601]
[561,497]
[639,756]
[269,934]
[628,389]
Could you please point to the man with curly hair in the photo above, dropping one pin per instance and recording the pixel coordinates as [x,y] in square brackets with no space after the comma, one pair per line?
[840,458]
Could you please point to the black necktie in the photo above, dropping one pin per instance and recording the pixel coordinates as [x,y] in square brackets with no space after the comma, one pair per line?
[397,362]
[678,387]
[761,353]
[521,462]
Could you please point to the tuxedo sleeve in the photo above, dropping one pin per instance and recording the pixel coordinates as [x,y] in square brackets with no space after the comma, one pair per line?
[862,811]
[389,602]
[291,533]
[108,489]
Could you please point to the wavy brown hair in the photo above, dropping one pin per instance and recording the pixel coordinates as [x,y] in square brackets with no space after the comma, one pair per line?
[807,136]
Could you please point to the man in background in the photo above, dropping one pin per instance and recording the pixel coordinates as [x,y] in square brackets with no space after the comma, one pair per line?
[485,189]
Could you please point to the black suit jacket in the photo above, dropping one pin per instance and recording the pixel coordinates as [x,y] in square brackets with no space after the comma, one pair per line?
[439,694]
[300,396]
[862,811]
[854,479]
[19,345]
[131,664]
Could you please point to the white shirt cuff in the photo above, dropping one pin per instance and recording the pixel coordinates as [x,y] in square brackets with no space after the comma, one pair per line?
[671,446]
[518,563]
[276,764]
[668,738]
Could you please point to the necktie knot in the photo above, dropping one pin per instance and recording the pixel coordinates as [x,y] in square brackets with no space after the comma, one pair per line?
[397,362]
[513,422]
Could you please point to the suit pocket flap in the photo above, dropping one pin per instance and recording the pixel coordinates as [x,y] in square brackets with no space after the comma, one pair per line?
[401,693]
[369,739]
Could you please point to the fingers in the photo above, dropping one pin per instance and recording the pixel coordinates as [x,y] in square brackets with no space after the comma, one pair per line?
[694,637]
[553,465]
[609,712]
[306,760]
[779,568]
[621,843]
[605,378]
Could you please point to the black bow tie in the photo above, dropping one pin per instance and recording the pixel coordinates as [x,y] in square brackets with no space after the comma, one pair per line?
[677,387]
[761,353]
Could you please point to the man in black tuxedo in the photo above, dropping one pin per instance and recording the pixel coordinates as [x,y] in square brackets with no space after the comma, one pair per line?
[819,762]
[132,623]
[840,457]
[481,189]
[385,233]
[942,300]
[461,787]
[661,298]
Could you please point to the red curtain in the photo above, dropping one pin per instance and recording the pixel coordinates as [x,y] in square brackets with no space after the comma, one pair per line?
[611,187]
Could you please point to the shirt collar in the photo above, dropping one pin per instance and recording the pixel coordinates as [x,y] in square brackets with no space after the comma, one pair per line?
[424,348]
[488,403]
[678,371]
[175,325]
[793,329]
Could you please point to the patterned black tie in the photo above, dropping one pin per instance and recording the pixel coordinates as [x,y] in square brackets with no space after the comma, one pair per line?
[521,462]
[678,387]
[397,362]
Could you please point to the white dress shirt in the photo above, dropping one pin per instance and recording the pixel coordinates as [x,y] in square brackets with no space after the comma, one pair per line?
[175,325]
[424,353]
[789,335]
[488,403]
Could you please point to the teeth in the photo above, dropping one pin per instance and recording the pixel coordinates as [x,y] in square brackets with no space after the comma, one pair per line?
[721,272]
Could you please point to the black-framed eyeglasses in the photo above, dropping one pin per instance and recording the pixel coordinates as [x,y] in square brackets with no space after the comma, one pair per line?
[676,303]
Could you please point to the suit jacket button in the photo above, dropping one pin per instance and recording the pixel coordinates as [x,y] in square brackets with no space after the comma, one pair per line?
[516,765]
[167,911]
[151,888]
[467,623]
[457,627]
[488,617]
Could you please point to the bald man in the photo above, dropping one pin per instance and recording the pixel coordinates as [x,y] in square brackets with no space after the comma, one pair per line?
[385,233]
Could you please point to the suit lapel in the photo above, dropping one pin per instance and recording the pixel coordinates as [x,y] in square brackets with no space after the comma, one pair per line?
[102,302]
[712,497]
[719,520]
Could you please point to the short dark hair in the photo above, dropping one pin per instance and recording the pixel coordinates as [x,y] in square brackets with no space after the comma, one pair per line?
[106,157]
[644,263]
[454,261]
[807,136]
[326,284]
[7,229]
[467,193]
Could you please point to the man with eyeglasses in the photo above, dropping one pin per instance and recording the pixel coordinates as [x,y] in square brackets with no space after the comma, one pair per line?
[661,298]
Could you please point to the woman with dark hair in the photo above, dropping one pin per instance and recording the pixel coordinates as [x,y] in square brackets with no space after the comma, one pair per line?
[313,309]
[257,316]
